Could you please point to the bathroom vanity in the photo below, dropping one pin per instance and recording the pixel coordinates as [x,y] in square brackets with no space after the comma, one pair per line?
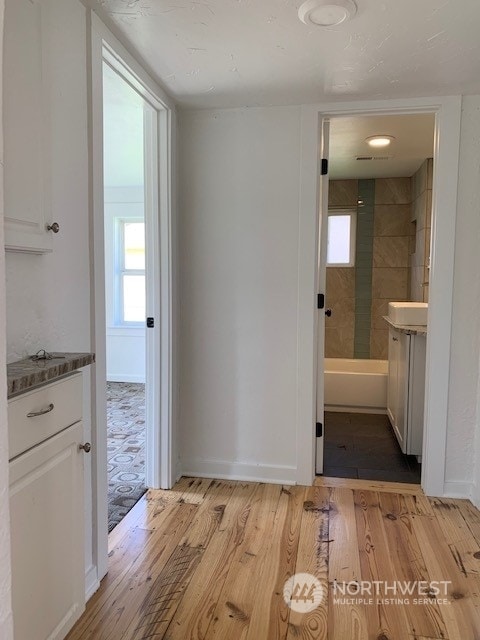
[46,453]
[406,384]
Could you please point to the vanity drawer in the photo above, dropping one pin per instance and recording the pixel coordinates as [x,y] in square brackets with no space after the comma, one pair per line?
[54,407]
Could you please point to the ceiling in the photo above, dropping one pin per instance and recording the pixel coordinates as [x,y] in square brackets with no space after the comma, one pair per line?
[224,53]
[414,136]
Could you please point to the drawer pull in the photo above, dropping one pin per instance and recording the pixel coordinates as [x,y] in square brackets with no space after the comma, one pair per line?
[35,414]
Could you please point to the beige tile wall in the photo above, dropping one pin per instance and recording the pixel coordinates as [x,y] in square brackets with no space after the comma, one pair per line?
[392,246]
[340,290]
[422,223]
[391,250]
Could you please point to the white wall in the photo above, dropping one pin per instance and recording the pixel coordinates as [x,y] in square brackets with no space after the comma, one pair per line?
[238,260]
[464,407]
[6,622]
[462,414]
[125,345]
[238,297]
[48,297]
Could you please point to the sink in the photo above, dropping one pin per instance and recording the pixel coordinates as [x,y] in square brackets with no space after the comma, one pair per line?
[410,313]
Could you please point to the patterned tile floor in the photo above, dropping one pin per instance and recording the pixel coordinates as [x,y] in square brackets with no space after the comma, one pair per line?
[125,449]
[362,445]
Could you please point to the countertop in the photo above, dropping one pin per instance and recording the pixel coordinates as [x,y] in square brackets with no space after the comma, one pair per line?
[411,330]
[26,374]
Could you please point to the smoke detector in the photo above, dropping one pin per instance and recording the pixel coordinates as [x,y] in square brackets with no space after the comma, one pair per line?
[326,13]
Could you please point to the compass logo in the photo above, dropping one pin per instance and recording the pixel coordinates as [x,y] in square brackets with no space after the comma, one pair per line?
[303,592]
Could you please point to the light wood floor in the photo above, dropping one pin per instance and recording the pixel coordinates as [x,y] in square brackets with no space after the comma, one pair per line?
[209,560]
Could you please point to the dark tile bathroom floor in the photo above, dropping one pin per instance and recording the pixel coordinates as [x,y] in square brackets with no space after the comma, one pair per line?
[361,445]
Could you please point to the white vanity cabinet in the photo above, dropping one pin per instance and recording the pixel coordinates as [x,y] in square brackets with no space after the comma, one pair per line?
[47,509]
[406,388]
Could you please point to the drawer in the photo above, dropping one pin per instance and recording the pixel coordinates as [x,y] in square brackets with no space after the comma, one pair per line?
[25,431]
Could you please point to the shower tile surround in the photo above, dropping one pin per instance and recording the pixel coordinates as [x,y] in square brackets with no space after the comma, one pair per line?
[363,268]
[421,223]
[359,296]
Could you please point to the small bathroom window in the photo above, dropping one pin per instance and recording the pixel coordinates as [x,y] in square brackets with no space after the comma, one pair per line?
[341,238]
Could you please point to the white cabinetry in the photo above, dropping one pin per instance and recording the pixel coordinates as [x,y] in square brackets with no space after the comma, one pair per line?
[406,389]
[26,127]
[47,510]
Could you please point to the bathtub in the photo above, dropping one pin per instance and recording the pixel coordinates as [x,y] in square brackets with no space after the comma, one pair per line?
[356,385]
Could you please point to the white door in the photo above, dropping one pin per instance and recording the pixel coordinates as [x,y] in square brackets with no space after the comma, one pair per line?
[321,282]
[153,464]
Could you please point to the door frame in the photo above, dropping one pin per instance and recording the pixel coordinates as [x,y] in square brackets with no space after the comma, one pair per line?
[447,112]
[105,47]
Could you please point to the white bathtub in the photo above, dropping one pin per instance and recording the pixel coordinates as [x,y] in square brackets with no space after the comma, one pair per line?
[356,385]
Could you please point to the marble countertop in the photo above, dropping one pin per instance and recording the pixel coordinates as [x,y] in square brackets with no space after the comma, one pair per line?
[26,374]
[409,329]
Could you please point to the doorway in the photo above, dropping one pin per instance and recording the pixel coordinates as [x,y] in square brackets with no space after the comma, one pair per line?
[125,214]
[311,320]
[378,231]
[140,271]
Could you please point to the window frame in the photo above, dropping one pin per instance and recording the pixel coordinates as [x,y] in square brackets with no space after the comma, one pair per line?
[352,214]
[120,271]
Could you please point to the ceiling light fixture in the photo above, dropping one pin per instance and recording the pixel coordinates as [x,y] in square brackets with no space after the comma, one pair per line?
[327,13]
[379,141]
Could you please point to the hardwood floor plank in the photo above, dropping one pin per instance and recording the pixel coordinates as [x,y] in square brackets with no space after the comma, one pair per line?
[270,614]
[384,619]
[236,602]
[416,637]
[194,613]
[408,564]
[461,616]
[163,596]
[463,545]
[196,489]
[344,567]
[419,505]
[344,558]
[369,485]
[166,591]
[312,558]
[119,600]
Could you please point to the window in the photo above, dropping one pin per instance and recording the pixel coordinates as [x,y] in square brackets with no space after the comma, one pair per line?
[341,238]
[130,262]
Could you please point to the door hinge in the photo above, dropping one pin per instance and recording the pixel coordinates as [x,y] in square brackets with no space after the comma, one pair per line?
[321,301]
[319,430]
[150,323]
[324,170]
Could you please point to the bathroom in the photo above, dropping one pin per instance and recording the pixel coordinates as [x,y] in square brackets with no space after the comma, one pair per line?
[380,202]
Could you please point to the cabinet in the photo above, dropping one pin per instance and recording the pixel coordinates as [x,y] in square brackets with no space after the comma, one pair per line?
[47,510]
[406,389]
[26,126]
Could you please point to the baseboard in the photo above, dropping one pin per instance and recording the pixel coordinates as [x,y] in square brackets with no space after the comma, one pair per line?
[335,408]
[458,489]
[224,470]
[126,378]
[92,583]
[476,495]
